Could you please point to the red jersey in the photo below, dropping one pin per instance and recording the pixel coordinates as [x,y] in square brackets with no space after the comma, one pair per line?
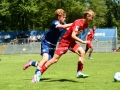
[90,35]
[76,26]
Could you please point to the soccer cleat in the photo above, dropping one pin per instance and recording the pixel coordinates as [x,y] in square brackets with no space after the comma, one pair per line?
[90,58]
[38,76]
[81,75]
[27,65]
[34,79]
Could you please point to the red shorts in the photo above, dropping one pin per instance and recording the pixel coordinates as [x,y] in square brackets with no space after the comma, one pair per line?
[63,47]
[89,45]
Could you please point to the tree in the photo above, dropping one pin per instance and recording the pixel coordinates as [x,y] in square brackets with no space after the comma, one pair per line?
[38,14]
[113,14]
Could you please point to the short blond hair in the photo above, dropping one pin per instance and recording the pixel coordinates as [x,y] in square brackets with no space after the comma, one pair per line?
[94,26]
[88,11]
[60,12]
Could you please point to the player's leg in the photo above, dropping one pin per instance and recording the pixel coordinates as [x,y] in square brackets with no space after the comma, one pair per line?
[90,52]
[86,49]
[44,53]
[60,51]
[45,57]
[30,63]
[44,60]
[80,51]
[81,63]
[116,49]
[45,67]
[55,58]
[50,62]
[34,63]
[47,54]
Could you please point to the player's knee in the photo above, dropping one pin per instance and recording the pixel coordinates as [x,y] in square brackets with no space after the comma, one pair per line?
[55,58]
[82,53]
[45,60]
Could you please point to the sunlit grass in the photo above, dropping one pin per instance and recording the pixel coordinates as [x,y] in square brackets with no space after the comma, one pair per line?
[60,76]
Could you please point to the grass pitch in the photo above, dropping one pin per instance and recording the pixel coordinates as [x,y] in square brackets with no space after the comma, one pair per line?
[60,76]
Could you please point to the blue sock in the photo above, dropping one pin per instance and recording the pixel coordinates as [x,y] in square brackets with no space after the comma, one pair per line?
[37,69]
[34,63]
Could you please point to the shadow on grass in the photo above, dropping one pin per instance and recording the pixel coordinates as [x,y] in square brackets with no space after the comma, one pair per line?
[59,80]
[43,79]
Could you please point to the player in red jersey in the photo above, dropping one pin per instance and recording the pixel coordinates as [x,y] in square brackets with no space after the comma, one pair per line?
[116,49]
[90,37]
[67,42]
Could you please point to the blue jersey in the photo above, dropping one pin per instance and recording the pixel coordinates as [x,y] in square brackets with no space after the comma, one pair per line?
[54,33]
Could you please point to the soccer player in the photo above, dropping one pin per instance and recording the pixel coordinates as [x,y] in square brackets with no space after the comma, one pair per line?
[116,49]
[49,43]
[68,42]
[90,37]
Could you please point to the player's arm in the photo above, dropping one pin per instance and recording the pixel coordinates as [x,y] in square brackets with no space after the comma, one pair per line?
[95,39]
[74,33]
[65,26]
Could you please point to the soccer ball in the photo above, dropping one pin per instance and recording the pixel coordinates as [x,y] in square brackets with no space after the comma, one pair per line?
[117,76]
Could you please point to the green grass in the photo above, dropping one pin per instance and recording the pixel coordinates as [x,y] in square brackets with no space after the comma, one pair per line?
[60,76]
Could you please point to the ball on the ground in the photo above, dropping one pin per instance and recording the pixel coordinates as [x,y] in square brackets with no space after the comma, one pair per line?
[117,76]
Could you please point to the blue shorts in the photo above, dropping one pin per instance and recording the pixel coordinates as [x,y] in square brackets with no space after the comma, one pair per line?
[47,48]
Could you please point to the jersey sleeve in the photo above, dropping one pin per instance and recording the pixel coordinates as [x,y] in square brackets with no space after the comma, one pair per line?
[56,24]
[76,26]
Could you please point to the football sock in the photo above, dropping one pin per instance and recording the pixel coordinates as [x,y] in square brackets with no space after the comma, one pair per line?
[33,63]
[90,54]
[80,67]
[44,68]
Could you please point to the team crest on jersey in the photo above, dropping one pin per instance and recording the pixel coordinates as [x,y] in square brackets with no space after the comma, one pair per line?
[77,28]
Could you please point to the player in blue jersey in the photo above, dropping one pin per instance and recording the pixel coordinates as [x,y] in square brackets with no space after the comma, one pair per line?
[49,43]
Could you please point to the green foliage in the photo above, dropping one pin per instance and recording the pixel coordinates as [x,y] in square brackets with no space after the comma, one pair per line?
[100,11]
[60,76]
[5,8]
[113,14]
[38,14]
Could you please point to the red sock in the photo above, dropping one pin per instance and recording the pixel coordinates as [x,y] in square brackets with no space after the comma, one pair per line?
[44,68]
[90,54]
[80,67]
